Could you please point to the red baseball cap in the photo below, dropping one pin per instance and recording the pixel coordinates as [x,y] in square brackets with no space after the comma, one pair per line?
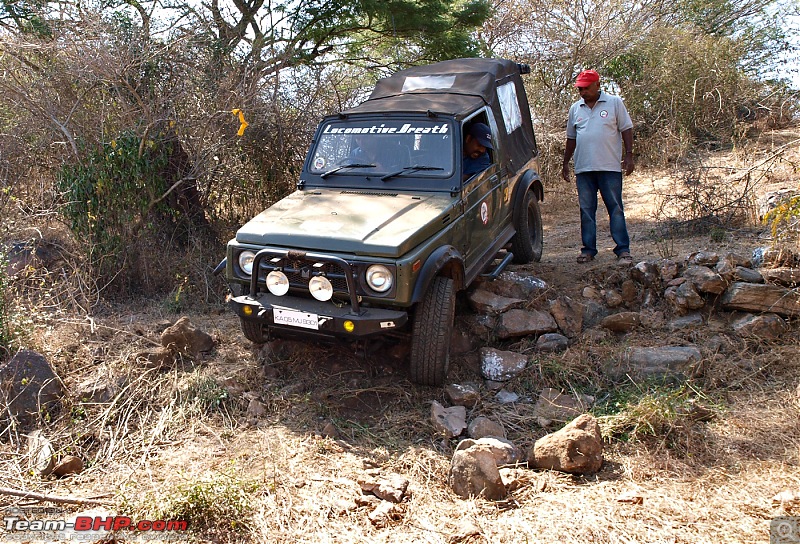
[587,77]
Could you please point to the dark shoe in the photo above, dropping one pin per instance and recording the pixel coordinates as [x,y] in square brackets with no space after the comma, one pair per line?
[624,258]
[585,258]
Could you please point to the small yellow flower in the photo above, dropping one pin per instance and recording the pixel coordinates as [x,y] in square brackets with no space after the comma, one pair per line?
[113,144]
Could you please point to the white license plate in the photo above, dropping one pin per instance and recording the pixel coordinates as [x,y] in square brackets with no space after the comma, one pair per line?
[294,318]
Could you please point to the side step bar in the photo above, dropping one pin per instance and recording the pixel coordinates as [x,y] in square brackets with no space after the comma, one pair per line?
[491,276]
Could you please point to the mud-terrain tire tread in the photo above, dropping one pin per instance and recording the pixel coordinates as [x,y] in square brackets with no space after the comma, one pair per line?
[433,327]
[526,245]
[254,331]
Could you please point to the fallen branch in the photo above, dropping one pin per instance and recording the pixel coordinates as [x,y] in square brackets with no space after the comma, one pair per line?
[49,498]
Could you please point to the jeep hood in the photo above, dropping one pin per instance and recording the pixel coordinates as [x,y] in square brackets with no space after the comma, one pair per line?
[361,222]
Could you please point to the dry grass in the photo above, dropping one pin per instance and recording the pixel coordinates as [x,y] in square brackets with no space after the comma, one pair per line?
[177,442]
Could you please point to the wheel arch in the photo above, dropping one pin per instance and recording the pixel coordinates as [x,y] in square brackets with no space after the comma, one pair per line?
[444,261]
[529,181]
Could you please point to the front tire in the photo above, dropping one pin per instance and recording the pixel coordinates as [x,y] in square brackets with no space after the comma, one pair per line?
[528,241]
[254,331]
[433,328]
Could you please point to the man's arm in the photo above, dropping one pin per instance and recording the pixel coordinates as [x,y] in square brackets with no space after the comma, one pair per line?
[569,149]
[627,161]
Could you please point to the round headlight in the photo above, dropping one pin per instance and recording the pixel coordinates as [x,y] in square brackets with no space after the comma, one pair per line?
[379,278]
[321,288]
[277,283]
[246,261]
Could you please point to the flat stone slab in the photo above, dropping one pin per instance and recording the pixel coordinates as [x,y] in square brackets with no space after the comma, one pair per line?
[750,297]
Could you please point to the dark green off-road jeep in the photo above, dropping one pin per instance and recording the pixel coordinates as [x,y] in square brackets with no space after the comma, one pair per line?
[384,228]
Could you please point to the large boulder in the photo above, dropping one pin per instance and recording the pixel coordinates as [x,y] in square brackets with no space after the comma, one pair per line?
[184,337]
[30,387]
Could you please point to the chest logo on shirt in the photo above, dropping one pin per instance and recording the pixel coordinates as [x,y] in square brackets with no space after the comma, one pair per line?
[604,114]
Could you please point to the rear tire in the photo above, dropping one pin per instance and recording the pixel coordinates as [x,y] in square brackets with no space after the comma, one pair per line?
[254,331]
[433,328]
[528,241]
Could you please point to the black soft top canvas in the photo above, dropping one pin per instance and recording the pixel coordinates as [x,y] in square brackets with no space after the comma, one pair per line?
[458,87]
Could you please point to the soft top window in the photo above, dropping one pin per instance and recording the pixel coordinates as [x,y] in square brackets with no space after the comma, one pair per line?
[509,105]
[419,147]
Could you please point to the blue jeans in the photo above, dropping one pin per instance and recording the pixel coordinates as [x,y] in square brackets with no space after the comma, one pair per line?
[610,186]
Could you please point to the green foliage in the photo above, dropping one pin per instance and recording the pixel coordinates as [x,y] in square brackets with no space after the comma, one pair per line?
[26,16]
[110,196]
[221,503]
[638,411]
[205,395]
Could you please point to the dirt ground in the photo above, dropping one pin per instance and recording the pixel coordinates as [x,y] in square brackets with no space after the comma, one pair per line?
[268,444]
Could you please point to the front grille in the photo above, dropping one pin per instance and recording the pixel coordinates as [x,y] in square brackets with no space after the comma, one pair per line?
[334,273]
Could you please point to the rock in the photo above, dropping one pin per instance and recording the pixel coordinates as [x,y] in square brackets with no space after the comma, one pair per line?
[748,275]
[705,280]
[568,315]
[688,321]
[645,273]
[766,326]
[506,397]
[155,358]
[622,322]
[449,421]
[503,450]
[667,269]
[392,489]
[462,395]
[41,455]
[515,285]
[486,302]
[30,386]
[256,409]
[514,323]
[481,325]
[552,342]
[501,366]
[330,430]
[629,293]
[68,465]
[577,448]
[593,314]
[556,406]
[685,297]
[662,363]
[703,258]
[613,299]
[784,275]
[750,297]
[482,426]
[474,472]
[186,338]
[98,388]
[385,514]
[591,293]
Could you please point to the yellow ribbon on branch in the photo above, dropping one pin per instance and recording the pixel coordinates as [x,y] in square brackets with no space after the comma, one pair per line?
[242,123]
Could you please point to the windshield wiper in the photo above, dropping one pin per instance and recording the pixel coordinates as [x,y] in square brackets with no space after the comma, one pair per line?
[354,165]
[408,169]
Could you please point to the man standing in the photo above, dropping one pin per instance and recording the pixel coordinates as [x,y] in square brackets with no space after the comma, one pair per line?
[597,126]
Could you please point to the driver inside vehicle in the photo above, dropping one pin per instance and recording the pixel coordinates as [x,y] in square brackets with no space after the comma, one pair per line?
[477,142]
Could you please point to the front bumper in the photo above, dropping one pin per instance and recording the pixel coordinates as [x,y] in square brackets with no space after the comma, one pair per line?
[314,318]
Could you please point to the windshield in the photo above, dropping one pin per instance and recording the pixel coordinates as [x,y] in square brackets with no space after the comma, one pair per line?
[421,147]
